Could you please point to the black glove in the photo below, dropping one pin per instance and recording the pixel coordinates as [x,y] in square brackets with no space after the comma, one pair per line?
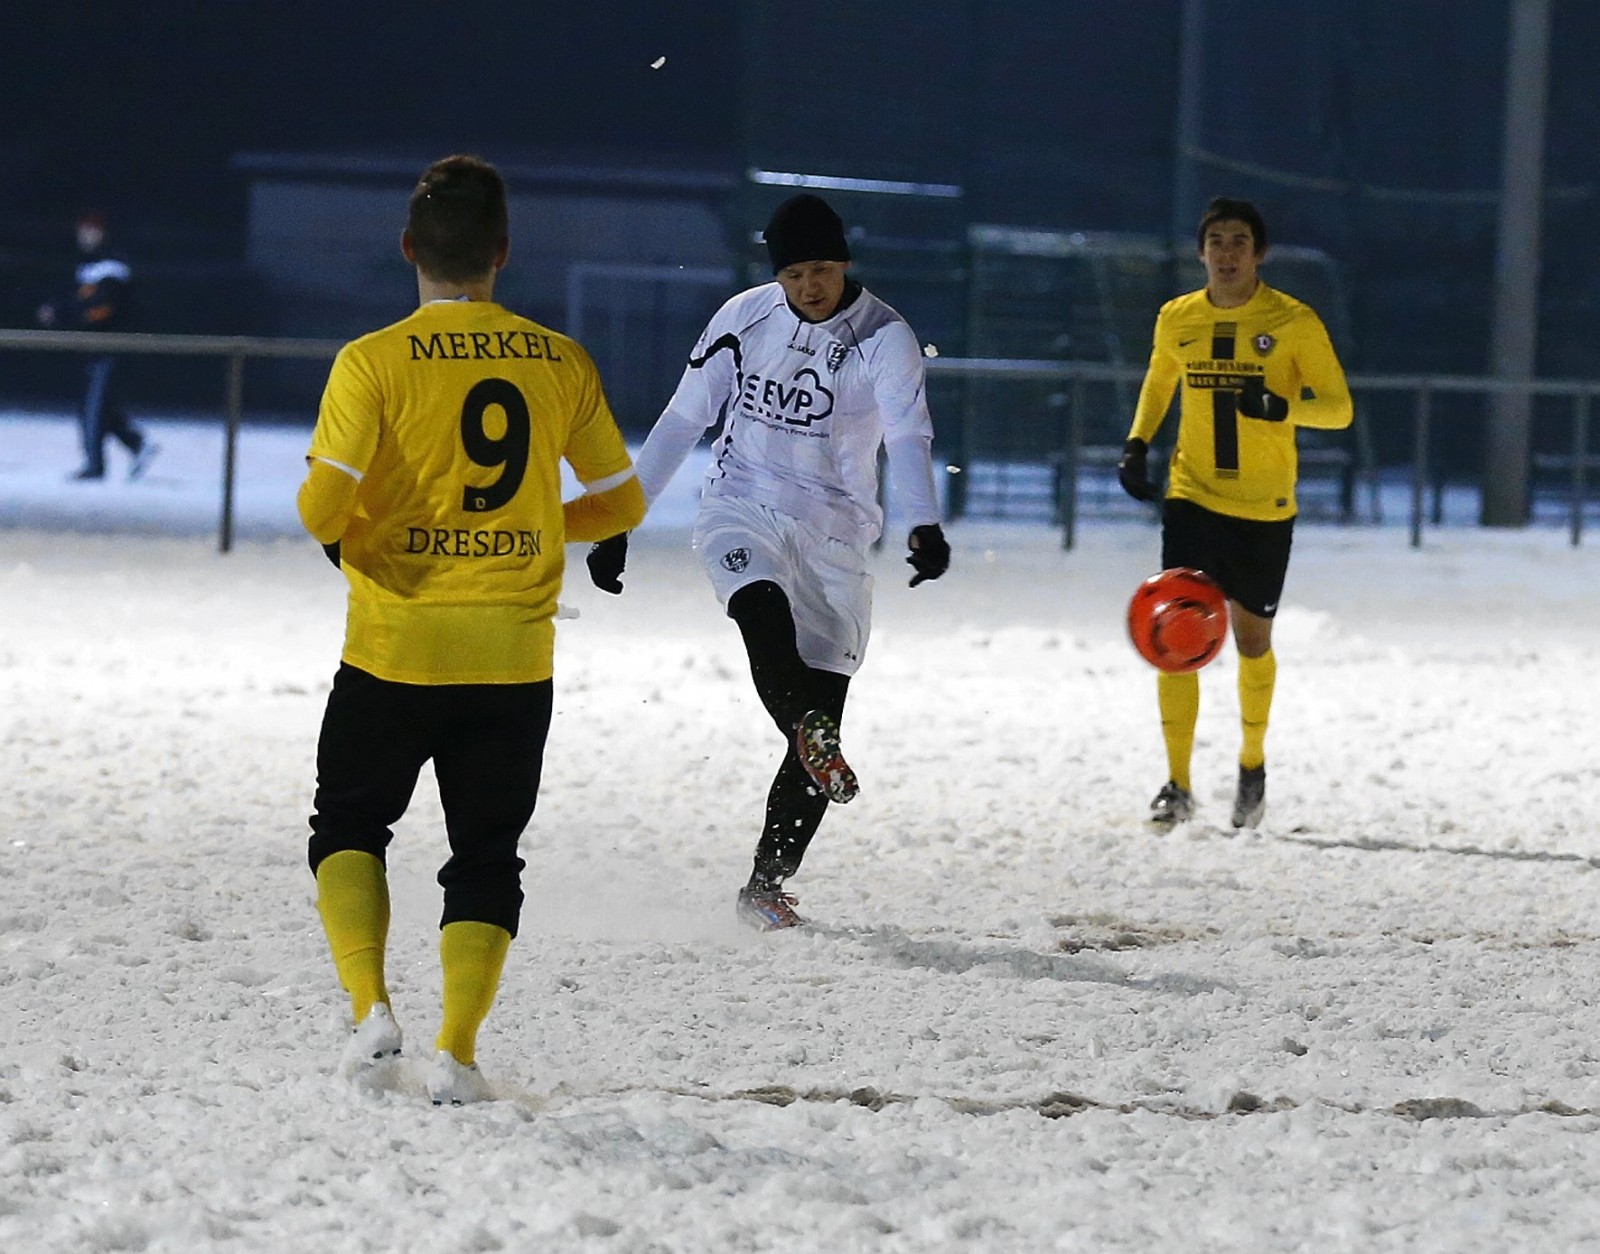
[930,552]
[1256,402]
[607,561]
[1133,472]
[332,550]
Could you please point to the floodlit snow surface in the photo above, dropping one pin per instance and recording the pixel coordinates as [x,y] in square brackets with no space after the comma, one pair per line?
[1021,1022]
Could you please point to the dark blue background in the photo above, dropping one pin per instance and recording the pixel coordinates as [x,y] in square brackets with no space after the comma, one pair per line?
[1363,127]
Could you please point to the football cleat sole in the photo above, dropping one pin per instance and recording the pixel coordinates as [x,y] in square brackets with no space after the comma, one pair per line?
[816,740]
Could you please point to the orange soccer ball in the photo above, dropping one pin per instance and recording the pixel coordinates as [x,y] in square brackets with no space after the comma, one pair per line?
[1178,619]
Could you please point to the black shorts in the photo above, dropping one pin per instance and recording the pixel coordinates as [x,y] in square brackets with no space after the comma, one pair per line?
[486,743]
[1248,558]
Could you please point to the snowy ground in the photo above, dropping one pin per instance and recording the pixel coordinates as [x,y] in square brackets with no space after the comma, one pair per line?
[1022,1023]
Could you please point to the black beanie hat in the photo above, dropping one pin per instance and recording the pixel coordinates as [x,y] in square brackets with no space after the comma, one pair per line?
[805,228]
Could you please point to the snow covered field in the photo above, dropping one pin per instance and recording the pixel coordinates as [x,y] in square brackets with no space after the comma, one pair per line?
[1023,1022]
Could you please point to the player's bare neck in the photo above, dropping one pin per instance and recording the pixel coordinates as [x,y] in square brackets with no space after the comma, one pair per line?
[429,290]
[1231,297]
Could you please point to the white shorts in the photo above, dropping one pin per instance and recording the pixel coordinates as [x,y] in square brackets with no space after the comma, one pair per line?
[741,542]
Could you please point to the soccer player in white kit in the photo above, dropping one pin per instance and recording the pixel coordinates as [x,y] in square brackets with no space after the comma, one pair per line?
[812,374]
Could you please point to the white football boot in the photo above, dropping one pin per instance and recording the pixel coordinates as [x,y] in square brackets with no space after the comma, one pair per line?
[374,1042]
[451,1083]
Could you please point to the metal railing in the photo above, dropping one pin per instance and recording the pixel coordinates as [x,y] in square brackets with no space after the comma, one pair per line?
[1424,387]
[236,350]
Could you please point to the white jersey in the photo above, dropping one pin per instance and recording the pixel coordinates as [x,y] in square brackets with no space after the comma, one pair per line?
[806,406]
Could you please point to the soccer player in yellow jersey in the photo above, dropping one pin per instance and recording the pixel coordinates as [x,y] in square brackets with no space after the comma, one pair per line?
[1254,364]
[435,471]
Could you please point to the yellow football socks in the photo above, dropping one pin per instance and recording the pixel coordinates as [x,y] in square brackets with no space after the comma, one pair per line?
[353,900]
[1257,676]
[472,955]
[1179,699]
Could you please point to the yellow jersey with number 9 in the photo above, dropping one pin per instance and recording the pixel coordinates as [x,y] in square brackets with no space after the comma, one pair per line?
[455,421]
[1225,461]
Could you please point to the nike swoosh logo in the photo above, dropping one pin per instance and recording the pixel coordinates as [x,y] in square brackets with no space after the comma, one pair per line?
[1186,343]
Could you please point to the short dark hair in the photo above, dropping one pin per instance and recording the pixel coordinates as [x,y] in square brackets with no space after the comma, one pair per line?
[1226,209]
[457,219]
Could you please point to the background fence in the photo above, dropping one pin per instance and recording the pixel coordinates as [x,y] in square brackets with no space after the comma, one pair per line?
[233,351]
[1047,433]
[1051,460]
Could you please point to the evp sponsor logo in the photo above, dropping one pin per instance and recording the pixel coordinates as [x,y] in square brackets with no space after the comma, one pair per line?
[799,402]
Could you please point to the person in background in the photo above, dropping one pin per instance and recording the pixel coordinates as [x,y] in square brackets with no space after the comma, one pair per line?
[1254,364]
[435,468]
[812,374]
[100,302]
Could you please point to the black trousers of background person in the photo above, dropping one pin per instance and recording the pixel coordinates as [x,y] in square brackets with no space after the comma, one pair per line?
[101,414]
[486,742]
[788,688]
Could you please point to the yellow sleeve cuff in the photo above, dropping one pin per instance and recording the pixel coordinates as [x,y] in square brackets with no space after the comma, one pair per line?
[600,515]
[326,500]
